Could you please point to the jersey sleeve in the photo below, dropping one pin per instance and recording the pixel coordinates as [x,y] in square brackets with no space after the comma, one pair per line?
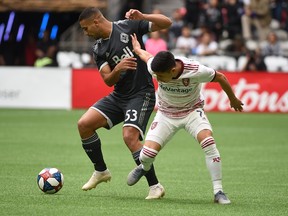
[144,26]
[140,27]
[100,62]
[205,74]
[200,73]
[149,65]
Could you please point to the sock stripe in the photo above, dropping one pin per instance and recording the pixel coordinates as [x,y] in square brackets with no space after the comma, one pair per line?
[207,142]
[136,154]
[149,152]
[90,140]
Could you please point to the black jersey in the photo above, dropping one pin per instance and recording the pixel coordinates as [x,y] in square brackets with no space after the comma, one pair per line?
[118,46]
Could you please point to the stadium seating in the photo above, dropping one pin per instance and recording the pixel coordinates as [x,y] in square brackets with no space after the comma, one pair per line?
[276,63]
[241,62]
[221,62]
[217,62]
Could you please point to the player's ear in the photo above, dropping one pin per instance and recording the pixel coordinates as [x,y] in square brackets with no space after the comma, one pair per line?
[174,72]
[95,21]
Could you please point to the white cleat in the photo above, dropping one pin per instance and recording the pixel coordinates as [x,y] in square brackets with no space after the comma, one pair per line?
[96,178]
[156,192]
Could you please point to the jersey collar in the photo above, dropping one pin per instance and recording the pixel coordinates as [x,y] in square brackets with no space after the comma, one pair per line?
[182,68]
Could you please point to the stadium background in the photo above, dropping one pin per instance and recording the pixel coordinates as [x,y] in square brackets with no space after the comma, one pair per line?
[40,106]
[24,84]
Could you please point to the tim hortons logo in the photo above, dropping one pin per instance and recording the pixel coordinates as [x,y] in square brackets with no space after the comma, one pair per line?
[250,95]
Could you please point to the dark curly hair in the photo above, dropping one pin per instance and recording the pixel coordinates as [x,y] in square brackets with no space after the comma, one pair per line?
[163,62]
[88,12]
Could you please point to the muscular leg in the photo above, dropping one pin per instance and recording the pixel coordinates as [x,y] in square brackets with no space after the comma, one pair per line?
[87,126]
[213,160]
[131,139]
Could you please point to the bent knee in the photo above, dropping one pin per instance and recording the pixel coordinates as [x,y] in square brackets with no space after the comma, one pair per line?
[131,138]
[204,134]
[81,124]
[84,125]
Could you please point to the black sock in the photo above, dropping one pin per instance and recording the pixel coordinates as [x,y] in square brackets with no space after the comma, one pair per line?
[92,147]
[150,175]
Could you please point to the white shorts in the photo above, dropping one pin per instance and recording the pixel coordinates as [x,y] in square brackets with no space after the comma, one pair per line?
[163,128]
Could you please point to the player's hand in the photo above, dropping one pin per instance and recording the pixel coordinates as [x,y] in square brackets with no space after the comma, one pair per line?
[236,104]
[135,43]
[126,64]
[133,14]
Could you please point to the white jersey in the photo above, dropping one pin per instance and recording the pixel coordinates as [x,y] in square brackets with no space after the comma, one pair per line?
[182,95]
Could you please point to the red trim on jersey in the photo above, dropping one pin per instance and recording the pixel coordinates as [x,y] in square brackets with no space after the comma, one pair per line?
[181,114]
[190,67]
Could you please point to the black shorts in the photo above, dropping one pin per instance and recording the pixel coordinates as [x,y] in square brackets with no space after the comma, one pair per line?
[133,112]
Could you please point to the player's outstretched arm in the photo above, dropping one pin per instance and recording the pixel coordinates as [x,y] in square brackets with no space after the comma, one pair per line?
[234,101]
[143,54]
[159,21]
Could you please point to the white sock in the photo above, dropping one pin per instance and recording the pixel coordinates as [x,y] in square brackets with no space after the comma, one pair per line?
[147,157]
[213,162]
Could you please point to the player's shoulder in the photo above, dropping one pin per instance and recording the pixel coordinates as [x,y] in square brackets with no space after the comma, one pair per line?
[96,45]
[121,22]
[126,22]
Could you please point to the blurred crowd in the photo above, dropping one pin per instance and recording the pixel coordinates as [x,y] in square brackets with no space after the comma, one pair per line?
[251,28]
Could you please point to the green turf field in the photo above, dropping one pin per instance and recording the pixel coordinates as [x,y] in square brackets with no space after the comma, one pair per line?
[253,148]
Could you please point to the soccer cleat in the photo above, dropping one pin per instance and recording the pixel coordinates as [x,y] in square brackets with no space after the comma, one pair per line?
[221,198]
[135,175]
[96,178]
[156,192]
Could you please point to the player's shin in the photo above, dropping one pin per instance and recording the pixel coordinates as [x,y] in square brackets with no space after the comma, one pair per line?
[147,157]
[92,147]
[150,175]
[213,162]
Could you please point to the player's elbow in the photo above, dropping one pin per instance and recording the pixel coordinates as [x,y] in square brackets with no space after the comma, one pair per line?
[168,22]
[108,83]
[219,77]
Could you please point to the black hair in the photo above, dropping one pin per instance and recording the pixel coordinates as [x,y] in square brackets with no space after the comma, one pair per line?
[88,12]
[163,61]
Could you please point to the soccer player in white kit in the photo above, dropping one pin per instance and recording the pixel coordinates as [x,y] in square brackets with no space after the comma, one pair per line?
[180,105]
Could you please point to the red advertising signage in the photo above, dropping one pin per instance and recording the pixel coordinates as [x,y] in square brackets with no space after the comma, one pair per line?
[87,88]
[260,92]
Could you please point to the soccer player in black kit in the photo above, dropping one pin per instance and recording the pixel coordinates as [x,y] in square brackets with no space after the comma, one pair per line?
[133,98]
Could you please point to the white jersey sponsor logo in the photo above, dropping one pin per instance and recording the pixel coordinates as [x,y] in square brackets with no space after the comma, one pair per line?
[127,53]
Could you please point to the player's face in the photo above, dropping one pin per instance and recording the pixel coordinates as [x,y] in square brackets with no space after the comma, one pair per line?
[164,76]
[89,28]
